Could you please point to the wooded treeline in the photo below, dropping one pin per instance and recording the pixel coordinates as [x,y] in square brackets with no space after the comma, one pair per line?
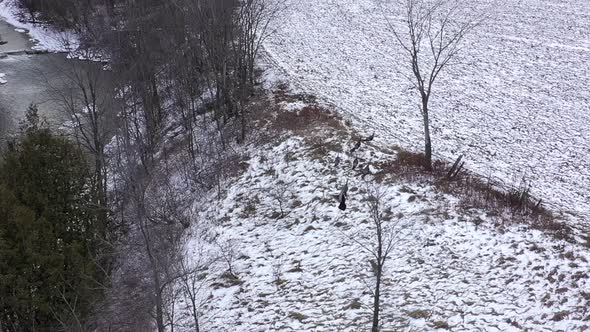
[52,236]
[158,138]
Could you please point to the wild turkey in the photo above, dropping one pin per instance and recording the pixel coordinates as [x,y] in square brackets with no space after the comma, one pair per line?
[370,138]
[342,196]
[342,205]
[365,171]
[356,146]
[337,161]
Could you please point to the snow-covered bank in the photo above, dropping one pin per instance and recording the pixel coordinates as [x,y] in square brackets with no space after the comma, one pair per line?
[297,268]
[515,105]
[44,37]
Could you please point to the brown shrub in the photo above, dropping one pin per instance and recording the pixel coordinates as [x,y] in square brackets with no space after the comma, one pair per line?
[408,166]
[321,148]
[476,192]
[307,119]
[283,94]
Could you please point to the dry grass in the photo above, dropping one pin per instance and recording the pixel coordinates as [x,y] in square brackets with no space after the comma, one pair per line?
[269,121]
[316,124]
[478,193]
[283,94]
[307,119]
[475,192]
[319,148]
[407,166]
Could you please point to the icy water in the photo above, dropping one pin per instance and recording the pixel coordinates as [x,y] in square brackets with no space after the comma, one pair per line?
[31,78]
[16,41]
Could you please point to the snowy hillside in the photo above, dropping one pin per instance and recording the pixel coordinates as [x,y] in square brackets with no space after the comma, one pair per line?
[517,105]
[299,264]
[244,233]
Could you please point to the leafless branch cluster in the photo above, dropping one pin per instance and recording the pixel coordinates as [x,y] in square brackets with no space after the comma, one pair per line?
[158,127]
[431,35]
[383,236]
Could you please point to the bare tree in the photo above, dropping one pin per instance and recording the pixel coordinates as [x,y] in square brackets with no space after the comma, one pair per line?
[228,252]
[278,267]
[385,233]
[193,281]
[281,193]
[156,209]
[88,99]
[253,19]
[435,30]
[165,58]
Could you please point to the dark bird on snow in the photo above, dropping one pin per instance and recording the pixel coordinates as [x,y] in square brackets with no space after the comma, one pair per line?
[342,196]
[337,161]
[370,138]
[365,171]
[342,205]
[355,163]
[356,146]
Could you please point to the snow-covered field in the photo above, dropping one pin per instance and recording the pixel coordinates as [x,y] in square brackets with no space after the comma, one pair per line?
[517,106]
[457,269]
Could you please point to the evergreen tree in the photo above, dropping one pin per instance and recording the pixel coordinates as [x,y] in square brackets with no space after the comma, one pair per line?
[49,237]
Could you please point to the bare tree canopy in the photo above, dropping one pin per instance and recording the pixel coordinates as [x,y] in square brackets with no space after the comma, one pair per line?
[431,34]
[379,241]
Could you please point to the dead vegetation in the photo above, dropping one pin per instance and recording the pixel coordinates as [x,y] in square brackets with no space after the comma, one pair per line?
[475,192]
[316,123]
[312,122]
[308,118]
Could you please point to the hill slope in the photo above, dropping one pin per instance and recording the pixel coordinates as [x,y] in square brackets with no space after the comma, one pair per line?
[298,261]
[513,104]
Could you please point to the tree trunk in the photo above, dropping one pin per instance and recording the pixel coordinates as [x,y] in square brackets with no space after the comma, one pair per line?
[376,299]
[427,142]
[159,304]
[243,125]
[380,263]
[195,316]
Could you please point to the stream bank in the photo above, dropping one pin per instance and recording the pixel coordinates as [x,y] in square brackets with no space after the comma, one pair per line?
[30,77]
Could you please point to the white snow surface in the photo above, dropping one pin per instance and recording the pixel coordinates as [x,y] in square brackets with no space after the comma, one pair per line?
[516,104]
[44,36]
[468,268]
